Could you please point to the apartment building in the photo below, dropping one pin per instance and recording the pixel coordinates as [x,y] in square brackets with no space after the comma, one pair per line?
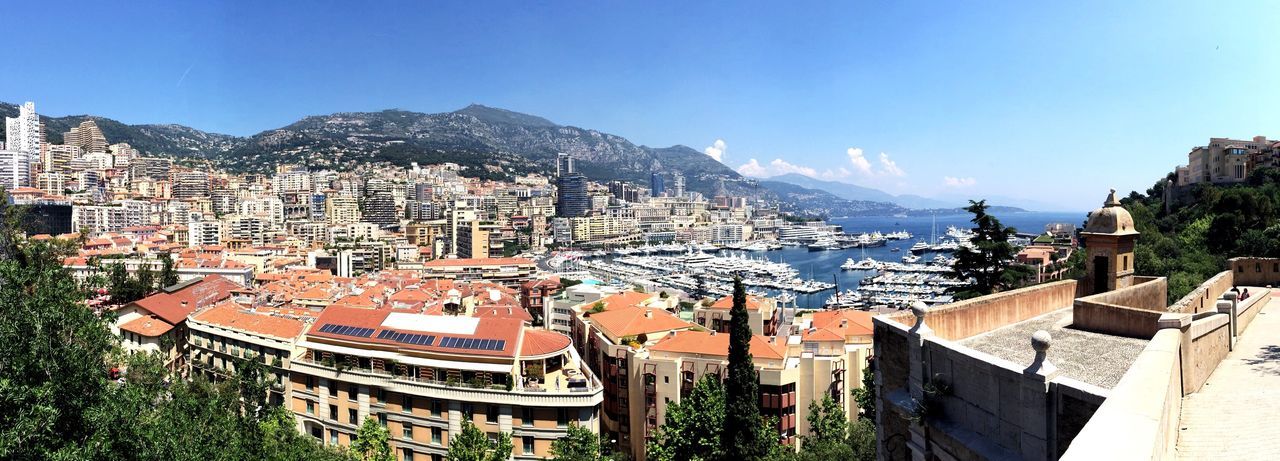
[764,314]
[157,323]
[1224,160]
[230,331]
[647,358]
[506,271]
[422,375]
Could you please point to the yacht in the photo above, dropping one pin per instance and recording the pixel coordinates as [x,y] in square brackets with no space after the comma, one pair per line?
[910,259]
[863,265]
[823,244]
[920,246]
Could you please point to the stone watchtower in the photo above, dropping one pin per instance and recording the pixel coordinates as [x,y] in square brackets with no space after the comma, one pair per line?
[1108,241]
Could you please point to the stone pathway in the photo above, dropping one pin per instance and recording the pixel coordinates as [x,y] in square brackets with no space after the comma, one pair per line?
[1236,415]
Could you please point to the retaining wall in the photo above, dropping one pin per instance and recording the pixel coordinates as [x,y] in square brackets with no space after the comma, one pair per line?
[970,317]
[1204,297]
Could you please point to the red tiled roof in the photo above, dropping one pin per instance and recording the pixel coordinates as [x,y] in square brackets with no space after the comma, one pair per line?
[632,321]
[726,303]
[231,315]
[543,342]
[709,343]
[147,325]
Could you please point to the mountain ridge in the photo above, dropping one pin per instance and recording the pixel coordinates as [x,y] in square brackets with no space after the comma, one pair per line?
[487,142]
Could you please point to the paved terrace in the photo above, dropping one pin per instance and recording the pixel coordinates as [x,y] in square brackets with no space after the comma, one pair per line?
[1094,358]
[1236,415]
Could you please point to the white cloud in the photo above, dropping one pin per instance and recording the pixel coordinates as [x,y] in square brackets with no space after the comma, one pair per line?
[859,161]
[838,173]
[776,167]
[952,181]
[889,167]
[716,150]
[753,168]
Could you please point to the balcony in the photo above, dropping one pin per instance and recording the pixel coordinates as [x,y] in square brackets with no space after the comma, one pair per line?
[543,396]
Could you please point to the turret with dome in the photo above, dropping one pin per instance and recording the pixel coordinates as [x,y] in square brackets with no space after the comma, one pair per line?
[1109,237]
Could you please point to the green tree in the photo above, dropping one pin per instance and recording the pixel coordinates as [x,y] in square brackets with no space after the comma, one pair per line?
[168,274]
[580,444]
[990,263]
[865,396]
[691,431]
[473,445]
[52,355]
[372,442]
[742,438]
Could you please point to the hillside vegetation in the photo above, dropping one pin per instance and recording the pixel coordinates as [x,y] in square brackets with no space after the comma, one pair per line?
[1192,241]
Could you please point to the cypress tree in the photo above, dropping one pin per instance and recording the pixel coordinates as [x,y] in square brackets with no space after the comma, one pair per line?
[743,434]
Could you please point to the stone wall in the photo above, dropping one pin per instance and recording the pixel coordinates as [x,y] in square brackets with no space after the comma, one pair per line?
[1248,309]
[1075,402]
[1132,311]
[962,319]
[1255,271]
[1146,293]
[1210,342]
[1140,418]
[1204,298]
[988,400]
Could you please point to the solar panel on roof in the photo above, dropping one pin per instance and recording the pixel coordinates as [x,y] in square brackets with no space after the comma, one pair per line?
[430,339]
[385,334]
[502,344]
[346,330]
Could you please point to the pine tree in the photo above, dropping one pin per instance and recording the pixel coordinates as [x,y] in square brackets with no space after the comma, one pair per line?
[168,274]
[990,263]
[742,437]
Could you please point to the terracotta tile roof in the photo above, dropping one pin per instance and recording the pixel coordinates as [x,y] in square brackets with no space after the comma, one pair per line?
[632,321]
[836,325]
[231,315]
[506,312]
[753,303]
[147,325]
[717,344]
[621,300]
[542,342]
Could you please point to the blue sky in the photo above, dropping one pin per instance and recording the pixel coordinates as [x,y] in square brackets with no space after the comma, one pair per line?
[1056,102]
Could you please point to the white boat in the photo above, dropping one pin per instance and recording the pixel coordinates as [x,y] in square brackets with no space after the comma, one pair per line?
[823,244]
[863,265]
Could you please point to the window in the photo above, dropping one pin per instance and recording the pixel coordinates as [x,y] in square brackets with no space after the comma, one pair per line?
[408,454]
[333,436]
[333,412]
[528,445]
[491,415]
[666,380]
[437,408]
[1126,263]
[407,431]
[381,395]
[311,408]
[526,416]
[352,416]
[382,419]
[468,410]
[435,435]
[353,392]
[408,404]
[333,389]
[562,417]
[311,383]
